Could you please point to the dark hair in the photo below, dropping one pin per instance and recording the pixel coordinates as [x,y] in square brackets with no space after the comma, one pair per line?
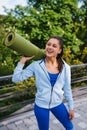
[59,56]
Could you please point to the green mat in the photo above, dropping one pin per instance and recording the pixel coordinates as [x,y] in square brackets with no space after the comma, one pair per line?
[23,46]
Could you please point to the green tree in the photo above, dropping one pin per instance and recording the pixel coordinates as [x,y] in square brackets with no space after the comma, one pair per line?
[6,55]
[82,29]
[41,19]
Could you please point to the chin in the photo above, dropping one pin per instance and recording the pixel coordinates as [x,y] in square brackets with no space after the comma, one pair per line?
[49,56]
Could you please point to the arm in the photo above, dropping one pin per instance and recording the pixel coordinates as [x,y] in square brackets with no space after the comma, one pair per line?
[68,92]
[21,74]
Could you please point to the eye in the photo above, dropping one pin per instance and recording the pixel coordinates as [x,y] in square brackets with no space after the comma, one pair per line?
[54,46]
[48,44]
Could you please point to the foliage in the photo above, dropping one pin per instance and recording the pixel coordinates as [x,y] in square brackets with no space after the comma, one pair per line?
[41,19]
[17,96]
[36,22]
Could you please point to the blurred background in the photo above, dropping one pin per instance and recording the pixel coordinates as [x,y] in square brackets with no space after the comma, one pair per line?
[36,21]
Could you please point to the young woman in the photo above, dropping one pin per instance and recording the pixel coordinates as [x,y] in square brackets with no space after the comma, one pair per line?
[53,81]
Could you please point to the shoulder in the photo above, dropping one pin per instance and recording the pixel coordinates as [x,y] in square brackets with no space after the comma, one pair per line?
[66,66]
[67,69]
[35,63]
[38,61]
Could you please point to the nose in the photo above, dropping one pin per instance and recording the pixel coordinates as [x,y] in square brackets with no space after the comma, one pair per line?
[50,47]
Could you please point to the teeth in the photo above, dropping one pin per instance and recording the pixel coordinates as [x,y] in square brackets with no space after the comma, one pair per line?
[50,51]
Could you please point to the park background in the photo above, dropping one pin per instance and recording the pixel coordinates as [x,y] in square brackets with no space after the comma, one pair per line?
[36,22]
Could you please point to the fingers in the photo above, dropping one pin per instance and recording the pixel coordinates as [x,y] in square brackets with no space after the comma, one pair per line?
[31,57]
[26,58]
[71,117]
[71,114]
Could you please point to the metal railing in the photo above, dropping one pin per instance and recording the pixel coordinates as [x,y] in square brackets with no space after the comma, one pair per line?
[5,77]
[78,74]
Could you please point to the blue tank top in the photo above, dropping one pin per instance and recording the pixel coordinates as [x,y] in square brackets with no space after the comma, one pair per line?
[53,78]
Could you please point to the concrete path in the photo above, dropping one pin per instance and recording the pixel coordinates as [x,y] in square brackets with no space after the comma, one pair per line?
[27,121]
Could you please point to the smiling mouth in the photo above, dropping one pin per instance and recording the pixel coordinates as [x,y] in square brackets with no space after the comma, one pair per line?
[49,51]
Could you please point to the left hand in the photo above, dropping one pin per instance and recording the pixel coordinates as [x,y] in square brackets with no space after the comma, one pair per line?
[71,114]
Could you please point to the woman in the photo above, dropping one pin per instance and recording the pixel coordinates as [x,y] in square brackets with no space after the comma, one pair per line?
[53,80]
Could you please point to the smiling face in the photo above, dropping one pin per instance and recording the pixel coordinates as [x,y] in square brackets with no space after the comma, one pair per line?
[52,48]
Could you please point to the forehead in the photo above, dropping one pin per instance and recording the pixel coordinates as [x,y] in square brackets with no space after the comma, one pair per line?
[53,41]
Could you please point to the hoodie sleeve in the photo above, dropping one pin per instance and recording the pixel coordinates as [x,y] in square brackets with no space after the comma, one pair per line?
[21,74]
[67,87]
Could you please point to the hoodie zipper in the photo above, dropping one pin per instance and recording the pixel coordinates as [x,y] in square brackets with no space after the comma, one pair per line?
[52,92]
[51,96]
[51,87]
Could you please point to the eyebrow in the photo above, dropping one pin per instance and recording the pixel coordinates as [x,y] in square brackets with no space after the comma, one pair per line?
[52,43]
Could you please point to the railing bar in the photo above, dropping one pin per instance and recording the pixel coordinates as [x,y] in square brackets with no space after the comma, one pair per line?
[16,92]
[16,104]
[79,65]
[72,66]
[5,77]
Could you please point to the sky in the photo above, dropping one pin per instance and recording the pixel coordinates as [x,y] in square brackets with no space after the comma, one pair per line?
[10,4]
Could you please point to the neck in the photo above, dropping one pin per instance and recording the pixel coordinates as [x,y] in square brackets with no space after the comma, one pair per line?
[51,60]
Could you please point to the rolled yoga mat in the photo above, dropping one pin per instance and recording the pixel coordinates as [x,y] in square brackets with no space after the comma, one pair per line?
[23,46]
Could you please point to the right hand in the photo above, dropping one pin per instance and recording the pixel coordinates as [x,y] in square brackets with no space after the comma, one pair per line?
[26,58]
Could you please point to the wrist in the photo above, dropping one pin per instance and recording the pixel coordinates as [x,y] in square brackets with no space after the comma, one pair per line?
[22,61]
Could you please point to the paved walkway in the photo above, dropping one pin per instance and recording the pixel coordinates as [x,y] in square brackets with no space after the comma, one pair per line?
[27,121]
